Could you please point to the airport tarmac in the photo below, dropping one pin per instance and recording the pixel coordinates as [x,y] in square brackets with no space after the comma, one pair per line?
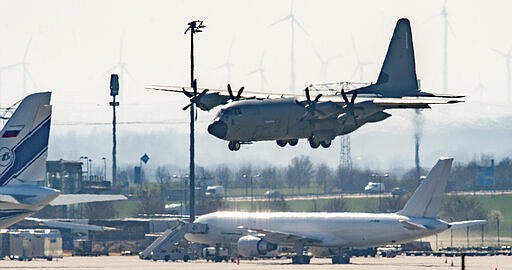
[133,262]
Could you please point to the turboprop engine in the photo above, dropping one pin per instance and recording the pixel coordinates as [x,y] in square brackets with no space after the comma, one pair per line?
[252,246]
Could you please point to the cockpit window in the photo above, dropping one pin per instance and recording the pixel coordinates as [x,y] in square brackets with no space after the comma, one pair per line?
[231,111]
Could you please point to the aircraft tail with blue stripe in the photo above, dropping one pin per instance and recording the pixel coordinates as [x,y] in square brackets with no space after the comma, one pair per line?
[24,140]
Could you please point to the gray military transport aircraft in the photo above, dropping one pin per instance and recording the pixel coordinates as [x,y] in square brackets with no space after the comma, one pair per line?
[246,117]
[254,234]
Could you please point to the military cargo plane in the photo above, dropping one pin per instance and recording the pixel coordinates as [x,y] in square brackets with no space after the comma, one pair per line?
[246,117]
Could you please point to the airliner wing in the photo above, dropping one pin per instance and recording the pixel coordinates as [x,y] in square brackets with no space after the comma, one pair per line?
[284,237]
[69,225]
[467,223]
[65,199]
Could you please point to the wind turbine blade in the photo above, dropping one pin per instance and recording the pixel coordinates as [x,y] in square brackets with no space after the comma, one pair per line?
[128,73]
[299,25]
[261,59]
[26,49]
[121,48]
[281,20]
[355,50]
[317,54]
[254,71]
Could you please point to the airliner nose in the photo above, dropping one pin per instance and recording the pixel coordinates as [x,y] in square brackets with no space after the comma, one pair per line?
[218,129]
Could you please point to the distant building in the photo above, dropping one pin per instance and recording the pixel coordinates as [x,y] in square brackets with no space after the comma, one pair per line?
[68,177]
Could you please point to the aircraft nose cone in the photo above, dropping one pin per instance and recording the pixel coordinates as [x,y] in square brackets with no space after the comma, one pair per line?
[218,129]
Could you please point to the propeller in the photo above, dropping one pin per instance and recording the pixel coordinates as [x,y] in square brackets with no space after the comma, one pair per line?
[311,104]
[194,97]
[350,104]
[238,95]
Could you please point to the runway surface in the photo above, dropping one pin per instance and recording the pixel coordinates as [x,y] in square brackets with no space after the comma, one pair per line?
[133,262]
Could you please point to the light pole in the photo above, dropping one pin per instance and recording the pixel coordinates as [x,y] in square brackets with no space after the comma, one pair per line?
[193,27]
[251,178]
[114,91]
[104,168]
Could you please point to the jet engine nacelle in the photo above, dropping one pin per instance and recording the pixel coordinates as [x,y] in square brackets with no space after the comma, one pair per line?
[252,246]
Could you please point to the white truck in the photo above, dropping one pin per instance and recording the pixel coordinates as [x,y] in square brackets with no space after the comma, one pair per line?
[216,192]
[374,187]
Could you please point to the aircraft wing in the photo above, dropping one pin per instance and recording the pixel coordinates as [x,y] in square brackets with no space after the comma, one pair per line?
[208,98]
[65,199]
[284,237]
[467,223]
[397,103]
[69,225]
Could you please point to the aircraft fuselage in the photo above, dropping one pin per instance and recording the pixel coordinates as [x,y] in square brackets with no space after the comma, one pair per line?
[332,229]
[282,119]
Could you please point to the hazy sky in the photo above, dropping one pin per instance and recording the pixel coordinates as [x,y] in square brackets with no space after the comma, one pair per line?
[72,45]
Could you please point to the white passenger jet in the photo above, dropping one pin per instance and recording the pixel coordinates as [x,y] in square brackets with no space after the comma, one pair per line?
[255,234]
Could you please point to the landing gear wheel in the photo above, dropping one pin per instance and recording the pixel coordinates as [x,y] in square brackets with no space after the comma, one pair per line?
[314,144]
[293,142]
[301,259]
[325,144]
[341,259]
[234,145]
[281,143]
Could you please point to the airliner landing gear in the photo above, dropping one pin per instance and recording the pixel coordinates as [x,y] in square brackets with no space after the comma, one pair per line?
[299,257]
[314,143]
[234,145]
[293,142]
[341,258]
[281,143]
[326,144]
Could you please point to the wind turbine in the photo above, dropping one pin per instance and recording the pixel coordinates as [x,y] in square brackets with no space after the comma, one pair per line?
[479,89]
[120,66]
[324,63]
[261,72]
[444,14]
[228,64]
[508,58]
[360,64]
[24,65]
[293,22]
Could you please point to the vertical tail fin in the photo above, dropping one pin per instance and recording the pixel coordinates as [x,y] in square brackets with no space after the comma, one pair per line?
[398,73]
[426,200]
[24,140]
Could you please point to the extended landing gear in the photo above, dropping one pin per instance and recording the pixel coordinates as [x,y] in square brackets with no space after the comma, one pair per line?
[301,259]
[315,144]
[343,257]
[291,142]
[234,145]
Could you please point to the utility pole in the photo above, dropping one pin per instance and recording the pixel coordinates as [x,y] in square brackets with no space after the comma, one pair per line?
[114,91]
[193,27]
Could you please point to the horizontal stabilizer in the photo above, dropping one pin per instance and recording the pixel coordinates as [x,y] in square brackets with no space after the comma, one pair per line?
[66,199]
[467,223]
